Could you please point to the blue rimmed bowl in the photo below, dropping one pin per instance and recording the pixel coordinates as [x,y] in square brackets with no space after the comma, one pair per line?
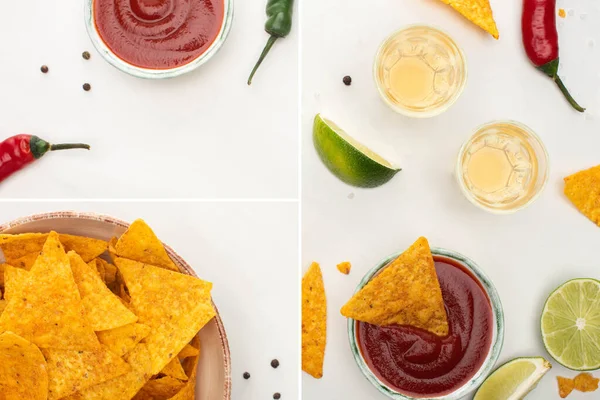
[497,334]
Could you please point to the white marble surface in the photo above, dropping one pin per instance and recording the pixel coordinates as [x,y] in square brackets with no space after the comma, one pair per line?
[527,254]
[249,252]
[203,135]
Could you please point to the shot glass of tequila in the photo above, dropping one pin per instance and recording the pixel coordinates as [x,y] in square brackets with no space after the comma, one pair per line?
[503,167]
[420,71]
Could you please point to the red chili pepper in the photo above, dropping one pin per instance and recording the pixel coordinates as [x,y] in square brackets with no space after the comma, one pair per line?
[18,151]
[540,38]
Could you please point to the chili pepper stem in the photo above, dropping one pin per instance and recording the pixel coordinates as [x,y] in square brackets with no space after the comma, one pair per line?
[567,95]
[264,53]
[67,146]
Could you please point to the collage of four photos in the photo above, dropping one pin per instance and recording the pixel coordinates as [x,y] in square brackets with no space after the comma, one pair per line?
[300,200]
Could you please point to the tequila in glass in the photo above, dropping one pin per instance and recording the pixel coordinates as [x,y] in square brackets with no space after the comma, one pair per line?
[420,71]
[503,167]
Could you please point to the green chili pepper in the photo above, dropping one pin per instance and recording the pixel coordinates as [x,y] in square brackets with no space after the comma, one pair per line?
[278,25]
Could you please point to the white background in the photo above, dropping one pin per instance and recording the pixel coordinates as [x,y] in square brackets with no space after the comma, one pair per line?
[206,134]
[527,254]
[249,252]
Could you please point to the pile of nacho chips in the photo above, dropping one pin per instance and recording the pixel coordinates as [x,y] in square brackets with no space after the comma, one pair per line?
[76,326]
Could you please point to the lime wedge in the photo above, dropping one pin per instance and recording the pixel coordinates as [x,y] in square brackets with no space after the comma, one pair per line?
[514,380]
[571,324]
[347,159]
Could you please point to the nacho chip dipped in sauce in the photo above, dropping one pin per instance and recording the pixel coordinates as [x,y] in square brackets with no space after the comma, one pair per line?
[406,292]
[412,358]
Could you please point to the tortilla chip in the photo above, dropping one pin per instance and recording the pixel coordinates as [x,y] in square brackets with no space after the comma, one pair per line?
[2,306]
[87,248]
[189,390]
[565,386]
[112,243]
[70,371]
[97,266]
[174,370]
[188,351]
[583,189]
[17,246]
[2,268]
[406,292]
[585,382]
[48,310]
[478,12]
[103,309]
[110,272]
[14,281]
[161,388]
[124,386]
[123,339]
[190,364]
[174,305]
[140,243]
[25,262]
[314,321]
[344,267]
[23,373]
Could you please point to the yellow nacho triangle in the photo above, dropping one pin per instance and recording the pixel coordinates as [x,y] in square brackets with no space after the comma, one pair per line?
[174,370]
[406,292]
[140,243]
[70,371]
[478,12]
[14,281]
[124,386]
[314,321]
[123,339]
[26,247]
[23,372]
[174,305]
[103,309]
[583,189]
[48,311]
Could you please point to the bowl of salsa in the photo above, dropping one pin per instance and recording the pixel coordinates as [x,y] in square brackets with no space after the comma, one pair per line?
[405,362]
[158,38]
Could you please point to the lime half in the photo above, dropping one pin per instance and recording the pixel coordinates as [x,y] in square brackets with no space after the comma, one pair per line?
[571,324]
[347,159]
[514,380]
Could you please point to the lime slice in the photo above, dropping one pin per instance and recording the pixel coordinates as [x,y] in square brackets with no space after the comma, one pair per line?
[571,324]
[347,159]
[514,380]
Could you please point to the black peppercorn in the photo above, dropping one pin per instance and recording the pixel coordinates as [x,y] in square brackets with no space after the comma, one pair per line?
[44,69]
[246,375]
[347,80]
[86,55]
[87,87]
[275,363]
[277,396]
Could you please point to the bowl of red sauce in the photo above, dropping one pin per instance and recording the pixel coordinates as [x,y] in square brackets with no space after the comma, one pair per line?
[406,363]
[158,38]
